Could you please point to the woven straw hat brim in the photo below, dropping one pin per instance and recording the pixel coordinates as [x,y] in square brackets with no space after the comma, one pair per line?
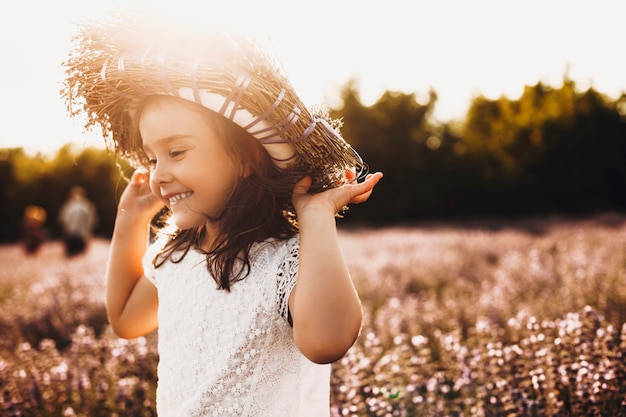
[113,66]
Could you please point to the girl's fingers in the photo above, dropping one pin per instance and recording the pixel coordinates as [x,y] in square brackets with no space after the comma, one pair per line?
[350,175]
[302,186]
[349,193]
[140,176]
[364,190]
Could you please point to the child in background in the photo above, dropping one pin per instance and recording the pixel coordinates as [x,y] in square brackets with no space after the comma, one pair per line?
[31,228]
[245,281]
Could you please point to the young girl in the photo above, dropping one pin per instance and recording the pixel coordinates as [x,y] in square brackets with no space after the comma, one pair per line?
[245,281]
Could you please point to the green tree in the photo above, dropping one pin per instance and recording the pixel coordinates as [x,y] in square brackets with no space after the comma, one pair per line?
[553,149]
[395,135]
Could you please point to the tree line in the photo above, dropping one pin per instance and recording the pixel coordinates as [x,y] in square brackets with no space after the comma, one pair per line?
[553,150]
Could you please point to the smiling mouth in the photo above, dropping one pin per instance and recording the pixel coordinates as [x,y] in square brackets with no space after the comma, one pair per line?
[178,198]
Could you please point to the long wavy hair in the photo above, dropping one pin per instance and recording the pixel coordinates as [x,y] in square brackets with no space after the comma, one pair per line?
[259,207]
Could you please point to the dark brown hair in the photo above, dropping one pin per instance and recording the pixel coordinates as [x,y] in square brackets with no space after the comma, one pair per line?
[259,207]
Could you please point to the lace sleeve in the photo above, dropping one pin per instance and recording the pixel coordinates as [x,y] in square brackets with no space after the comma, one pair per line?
[287,276]
[148,258]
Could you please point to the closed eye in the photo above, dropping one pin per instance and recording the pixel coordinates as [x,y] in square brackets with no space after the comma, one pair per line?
[152,162]
[176,153]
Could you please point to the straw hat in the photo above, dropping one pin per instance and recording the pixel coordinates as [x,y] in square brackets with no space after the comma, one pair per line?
[114,64]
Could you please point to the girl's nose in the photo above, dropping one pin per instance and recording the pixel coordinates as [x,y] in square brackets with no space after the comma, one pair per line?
[160,174]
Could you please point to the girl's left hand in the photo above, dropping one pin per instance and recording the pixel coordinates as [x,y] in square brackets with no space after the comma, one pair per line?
[334,199]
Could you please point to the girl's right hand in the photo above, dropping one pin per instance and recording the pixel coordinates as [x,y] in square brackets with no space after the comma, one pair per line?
[137,198]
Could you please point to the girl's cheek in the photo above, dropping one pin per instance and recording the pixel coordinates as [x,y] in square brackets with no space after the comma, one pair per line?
[155,189]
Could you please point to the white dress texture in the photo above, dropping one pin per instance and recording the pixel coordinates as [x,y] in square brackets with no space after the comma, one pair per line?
[232,353]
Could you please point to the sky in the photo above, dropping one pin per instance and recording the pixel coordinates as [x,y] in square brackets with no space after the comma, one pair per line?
[459,48]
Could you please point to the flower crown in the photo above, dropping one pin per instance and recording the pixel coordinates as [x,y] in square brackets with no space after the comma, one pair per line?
[115,64]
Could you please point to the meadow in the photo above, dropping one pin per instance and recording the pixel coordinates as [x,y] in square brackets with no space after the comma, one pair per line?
[493,318]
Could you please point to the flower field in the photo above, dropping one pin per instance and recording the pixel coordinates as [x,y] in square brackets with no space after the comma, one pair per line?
[525,318]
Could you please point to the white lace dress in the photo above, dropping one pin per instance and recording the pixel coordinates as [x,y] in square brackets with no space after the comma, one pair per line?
[232,353]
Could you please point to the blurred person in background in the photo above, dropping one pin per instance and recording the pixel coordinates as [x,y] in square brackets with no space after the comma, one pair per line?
[78,218]
[31,228]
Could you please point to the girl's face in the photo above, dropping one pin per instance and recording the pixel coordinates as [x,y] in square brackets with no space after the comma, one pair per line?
[190,170]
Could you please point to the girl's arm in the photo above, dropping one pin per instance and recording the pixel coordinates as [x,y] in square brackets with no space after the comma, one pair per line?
[131,299]
[324,305]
